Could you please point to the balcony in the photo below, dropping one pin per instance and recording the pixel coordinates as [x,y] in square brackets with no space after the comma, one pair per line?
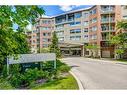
[108,30]
[107,10]
[105,38]
[107,20]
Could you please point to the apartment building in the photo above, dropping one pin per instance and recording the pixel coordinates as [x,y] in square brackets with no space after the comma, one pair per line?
[40,36]
[74,29]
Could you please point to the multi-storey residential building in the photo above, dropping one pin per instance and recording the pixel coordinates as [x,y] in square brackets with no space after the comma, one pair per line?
[40,36]
[74,29]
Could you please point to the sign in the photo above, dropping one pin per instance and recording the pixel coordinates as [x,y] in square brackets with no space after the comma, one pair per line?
[29,58]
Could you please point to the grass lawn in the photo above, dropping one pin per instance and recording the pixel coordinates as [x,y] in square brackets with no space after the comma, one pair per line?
[67,82]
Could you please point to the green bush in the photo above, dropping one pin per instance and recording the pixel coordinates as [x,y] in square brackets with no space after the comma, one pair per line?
[64,68]
[34,74]
[16,80]
[27,77]
[4,84]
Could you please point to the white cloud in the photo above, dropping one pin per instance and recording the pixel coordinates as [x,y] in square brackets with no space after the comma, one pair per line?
[29,27]
[68,7]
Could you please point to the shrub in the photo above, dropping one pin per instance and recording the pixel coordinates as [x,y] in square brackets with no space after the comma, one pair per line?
[34,74]
[64,68]
[27,77]
[4,84]
[16,80]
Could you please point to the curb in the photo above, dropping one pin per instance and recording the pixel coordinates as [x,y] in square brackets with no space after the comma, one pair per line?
[78,81]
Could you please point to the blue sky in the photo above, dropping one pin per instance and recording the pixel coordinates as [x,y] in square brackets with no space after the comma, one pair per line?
[51,10]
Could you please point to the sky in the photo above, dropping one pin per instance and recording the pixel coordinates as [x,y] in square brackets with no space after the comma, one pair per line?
[52,10]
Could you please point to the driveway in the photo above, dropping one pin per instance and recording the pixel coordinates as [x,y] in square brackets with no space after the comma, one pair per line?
[98,74]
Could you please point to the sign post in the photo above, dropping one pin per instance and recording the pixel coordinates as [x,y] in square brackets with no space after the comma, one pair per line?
[7,66]
[28,58]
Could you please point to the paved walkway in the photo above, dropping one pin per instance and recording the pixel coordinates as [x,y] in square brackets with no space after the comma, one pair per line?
[98,74]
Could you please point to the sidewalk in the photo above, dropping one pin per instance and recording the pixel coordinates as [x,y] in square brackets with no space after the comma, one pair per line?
[109,60]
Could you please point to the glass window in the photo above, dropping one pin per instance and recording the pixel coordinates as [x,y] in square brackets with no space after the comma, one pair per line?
[86,23]
[75,37]
[75,23]
[59,33]
[78,30]
[75,31]
[93,37]
[61,39]
[86,37]
[86,30]
[86,15]
[125,17]
[45,45]
[94,28]
[78,15]
[45,40]
[94,20]
[94,11]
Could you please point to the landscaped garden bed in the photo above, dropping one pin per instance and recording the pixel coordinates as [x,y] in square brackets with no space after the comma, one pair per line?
[35,78]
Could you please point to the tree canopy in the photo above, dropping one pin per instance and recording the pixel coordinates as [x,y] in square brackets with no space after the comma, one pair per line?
[12,40]
[120,40]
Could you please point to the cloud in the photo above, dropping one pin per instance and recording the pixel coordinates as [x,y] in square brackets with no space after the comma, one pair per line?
[29,27]
[68,7]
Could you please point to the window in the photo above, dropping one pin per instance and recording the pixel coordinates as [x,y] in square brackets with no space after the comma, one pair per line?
[94,20]
[34,41]
[34,36]
[46,21]
[45,28]
[86,23]
[46,34]
[59,33]
[125,17]
[75,31]
[59,26]
[86,37]
[78,15]
[93,37]
[86,30]
[75,23]
[92,12]
[45,40]
[94,28]
[75,37]
[61,39]
[86,15]
[45,45]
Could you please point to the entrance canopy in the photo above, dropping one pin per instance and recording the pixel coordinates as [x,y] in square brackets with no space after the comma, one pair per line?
[64,44]
[72,49]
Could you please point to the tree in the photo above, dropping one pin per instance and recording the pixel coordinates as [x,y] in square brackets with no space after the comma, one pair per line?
[122,25]
[120,40]
[13,41]
[92,48]
[54,45]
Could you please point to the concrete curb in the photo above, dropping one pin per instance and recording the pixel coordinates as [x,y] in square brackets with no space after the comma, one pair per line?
[78,81]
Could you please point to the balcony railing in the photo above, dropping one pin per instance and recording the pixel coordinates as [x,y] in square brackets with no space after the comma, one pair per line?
[105,38]
[107,10]
[108,20]
[108,30]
